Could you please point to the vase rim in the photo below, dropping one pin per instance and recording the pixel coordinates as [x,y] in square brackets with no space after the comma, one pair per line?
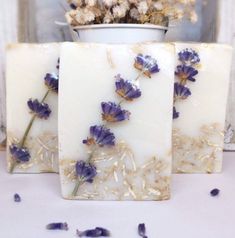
[121,25]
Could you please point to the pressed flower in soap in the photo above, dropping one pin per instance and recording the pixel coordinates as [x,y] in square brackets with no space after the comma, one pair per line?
[111,112]
[200,96]
[116,142]
[32,136]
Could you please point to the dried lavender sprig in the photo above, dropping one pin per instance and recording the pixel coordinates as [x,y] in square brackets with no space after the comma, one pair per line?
[142,230]
[57,226]
[22,142]
[97,232]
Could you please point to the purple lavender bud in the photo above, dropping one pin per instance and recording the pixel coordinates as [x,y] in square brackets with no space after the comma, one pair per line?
[100,135]
[19,154]
[52,82]
[185,72]
[180,91]
[189,57]
[41,110]
[57,226]
[147,64]
[112,112]
[175,113]
[89,233]
[97,232]
[126,89]
[17,197]
[214,192]
[142,230]
[85,171]
[104,232]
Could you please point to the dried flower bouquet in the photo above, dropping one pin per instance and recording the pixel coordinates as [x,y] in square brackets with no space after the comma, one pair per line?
[157,12]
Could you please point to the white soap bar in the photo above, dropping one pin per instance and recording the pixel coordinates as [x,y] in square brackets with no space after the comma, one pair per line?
[198,130]
[27,66]
[138,166]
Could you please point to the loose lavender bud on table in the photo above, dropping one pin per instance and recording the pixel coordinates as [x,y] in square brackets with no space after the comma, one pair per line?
[17,197]
[57,226]
[214,192]
[142,230]
[97,232]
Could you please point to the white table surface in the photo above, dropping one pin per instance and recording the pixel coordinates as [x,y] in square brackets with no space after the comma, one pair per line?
[191,212]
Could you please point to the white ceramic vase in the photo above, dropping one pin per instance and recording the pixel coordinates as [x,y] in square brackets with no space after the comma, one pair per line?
[118,33]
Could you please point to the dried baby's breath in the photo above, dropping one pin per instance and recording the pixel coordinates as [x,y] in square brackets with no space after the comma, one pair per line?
[158,12]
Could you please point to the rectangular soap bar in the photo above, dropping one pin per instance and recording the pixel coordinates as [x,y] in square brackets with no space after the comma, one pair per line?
[115,121]
[32,147]
[201,88]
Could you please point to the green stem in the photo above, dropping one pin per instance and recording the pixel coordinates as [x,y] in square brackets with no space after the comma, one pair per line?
[45,96]
[31,122]
[75,190]
[27,131]
[121,101]
[90,156]
[12,166]
[22,142]
[139,75]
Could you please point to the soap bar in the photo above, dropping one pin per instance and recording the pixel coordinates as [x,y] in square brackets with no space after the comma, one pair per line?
[200,96]
[115,121]
[32,107]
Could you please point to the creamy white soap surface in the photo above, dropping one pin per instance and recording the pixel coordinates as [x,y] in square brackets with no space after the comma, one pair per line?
[207,104]
[27,65]
[87,78]
[198,131]
[89,84]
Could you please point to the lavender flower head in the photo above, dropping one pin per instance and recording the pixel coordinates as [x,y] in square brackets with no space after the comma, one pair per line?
[189,57]
[112,112]
[41,110]
[19,154]
[147,64]
[100,135]
[57,226]
[175,113]
[185,73]
[17,197]
[142,230]
[180,91]
[52,81]
[126,89]
[214,192]
[85,171]
[97,232]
